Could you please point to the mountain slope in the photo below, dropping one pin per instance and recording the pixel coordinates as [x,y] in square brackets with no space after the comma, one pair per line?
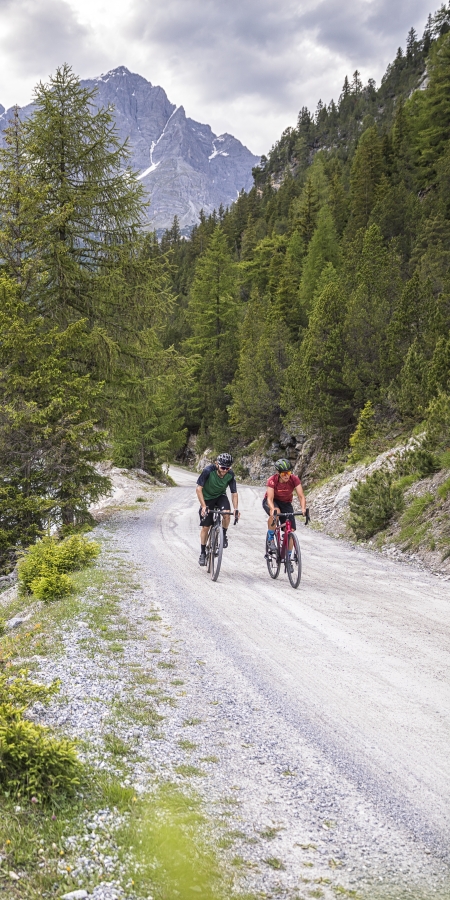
[184,166]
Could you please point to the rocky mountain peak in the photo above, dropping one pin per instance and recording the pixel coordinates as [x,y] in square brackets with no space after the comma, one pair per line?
[183,165]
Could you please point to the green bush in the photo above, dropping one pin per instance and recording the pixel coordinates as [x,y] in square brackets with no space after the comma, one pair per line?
[19,691]
[50,557]
[52,586]
[373,503]
[418,461]
[32,761]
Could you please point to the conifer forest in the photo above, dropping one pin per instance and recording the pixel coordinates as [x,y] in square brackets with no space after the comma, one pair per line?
[319,300]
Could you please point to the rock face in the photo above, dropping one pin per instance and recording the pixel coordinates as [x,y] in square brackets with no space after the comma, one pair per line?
[183,165]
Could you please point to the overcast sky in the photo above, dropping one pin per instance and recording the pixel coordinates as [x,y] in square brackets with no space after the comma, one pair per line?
[242,66]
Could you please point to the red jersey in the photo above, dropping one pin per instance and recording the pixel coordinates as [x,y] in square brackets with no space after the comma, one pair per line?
[283,490]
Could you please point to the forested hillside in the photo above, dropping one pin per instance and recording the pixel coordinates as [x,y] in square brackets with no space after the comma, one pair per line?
[326,289]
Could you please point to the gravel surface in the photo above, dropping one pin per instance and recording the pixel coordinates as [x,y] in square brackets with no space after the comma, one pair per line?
[319,716]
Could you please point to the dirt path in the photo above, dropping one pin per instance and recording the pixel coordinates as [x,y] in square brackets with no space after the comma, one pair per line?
[327,707]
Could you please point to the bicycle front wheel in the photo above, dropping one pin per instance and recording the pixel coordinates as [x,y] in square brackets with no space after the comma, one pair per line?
[273,561]
[216,552]
[294,563]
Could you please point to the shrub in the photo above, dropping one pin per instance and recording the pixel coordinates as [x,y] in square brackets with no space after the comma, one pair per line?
[21,692]
[373,503]
[50,557]
[52,586]
[418,461]
[32,761]
[75,552]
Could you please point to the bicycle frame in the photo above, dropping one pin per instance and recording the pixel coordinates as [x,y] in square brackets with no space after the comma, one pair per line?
[214,541]
[282,533]
[292,559]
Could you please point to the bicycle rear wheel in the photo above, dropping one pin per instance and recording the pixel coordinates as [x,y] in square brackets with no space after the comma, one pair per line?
[294,570]
[216,551]
[273,560]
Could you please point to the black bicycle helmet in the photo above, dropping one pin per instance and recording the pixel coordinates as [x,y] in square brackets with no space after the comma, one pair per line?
[283,465]
[225,460]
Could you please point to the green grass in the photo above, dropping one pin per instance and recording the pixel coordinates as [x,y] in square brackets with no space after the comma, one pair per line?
[444,489]
[274,862]
[413,531]
[115,745]
[187,745]
[166,850]
[189,771]
[269,833]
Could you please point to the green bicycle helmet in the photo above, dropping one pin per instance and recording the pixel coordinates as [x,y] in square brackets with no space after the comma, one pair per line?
[283,465]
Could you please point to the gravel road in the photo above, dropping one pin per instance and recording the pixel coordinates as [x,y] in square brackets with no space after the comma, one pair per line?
[327,707]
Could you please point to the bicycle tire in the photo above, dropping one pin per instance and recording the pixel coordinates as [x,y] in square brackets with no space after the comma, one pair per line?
[216,551]
[296,561]
[273,561]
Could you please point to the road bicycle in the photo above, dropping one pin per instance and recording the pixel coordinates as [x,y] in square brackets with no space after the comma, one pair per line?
[214,541]
[279,554]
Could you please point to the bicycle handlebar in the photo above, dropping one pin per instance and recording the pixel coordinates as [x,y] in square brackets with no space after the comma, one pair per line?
[276,515]
[224,512]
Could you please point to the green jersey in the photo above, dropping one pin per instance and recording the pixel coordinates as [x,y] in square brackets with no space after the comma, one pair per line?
[213,485]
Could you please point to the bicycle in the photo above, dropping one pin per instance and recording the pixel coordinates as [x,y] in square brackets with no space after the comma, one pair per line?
[214,541]
[274,557]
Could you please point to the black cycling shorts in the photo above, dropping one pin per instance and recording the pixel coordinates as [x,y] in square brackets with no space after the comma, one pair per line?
[284,508]
[221,502]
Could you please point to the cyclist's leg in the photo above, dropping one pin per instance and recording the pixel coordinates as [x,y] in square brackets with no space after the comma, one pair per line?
[205,522]
[285,509]
[224,503]
[270,523]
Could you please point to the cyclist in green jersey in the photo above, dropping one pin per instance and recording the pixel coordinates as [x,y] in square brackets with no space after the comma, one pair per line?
[211,490]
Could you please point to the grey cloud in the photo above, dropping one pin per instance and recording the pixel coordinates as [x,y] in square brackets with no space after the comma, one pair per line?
[259,49]
[359,31]
[237,48]
[43,35]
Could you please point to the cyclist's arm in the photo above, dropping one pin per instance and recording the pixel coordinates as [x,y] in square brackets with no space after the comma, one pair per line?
[271,500]
[199,492]
[301,497]
[234,500]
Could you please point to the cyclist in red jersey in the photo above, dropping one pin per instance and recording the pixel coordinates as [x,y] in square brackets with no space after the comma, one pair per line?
[278,497]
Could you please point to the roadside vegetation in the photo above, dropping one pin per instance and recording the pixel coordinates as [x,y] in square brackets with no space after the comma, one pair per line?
[57,805]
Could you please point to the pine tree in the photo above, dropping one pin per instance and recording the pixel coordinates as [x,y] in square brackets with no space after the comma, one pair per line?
[91,204]
[49,439]
[20,201]
[430,112]
[315,390]
[411,393]
[214,317]
[323,249]
[370,309]
[287,293]
[360,439]
[367,169]
[411,319]
[263,359]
